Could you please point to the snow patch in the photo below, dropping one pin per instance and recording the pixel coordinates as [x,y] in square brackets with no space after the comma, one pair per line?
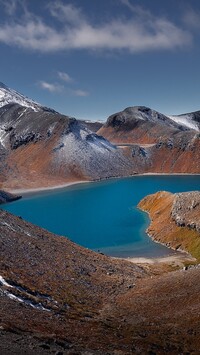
[27,302]
[8,225]
[14,230]
[185,120]
[22,113]
[51,128]
[4,283]
[10,295]
[81,150]
[2,137]
[8,96]
[83,133]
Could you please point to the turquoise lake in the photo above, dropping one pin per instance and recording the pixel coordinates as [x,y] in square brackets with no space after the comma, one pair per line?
[103,215]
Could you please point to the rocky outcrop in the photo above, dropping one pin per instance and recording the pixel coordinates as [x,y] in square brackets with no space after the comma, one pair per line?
[178,155]
[7,197]
[175,220]
[59,297]
[186,210]
[24,139]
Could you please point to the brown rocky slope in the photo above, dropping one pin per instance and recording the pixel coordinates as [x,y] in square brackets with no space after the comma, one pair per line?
[45,148]
[154,142]
[61,298]
[140,124]
[175,219]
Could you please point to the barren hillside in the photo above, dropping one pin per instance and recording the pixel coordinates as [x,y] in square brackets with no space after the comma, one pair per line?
[62,297]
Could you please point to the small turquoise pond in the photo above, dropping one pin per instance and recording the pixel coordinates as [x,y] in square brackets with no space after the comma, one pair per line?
[103,215]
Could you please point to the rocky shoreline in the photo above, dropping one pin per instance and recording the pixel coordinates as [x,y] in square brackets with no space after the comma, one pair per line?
[175,220]
[8,197]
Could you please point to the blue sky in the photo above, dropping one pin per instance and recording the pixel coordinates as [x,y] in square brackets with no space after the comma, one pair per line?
[91,58]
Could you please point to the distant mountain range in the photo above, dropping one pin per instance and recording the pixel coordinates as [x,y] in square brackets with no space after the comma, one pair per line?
[40,147]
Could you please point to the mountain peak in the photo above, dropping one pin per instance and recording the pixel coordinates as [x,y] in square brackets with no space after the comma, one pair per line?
[138,114]
[10,96]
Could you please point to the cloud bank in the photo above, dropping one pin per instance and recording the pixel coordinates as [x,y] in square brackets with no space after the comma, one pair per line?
[70,29]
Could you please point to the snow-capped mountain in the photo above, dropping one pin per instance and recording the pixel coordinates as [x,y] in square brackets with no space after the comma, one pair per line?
[135,114]
[139,124]
[50,148]
[141,115]
[9,96]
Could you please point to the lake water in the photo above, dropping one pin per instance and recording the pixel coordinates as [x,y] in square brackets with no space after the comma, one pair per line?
[103,216]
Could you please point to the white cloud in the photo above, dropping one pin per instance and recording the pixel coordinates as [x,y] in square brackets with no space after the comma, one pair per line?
[141,32]
[81,93]
[65,77]
[57,88]
[67,13]
[50,87]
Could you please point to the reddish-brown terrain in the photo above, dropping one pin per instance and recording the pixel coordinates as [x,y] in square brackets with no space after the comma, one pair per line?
[154,142]
[57,297]
[40,147]
[140,124]
[44,148]
[175,219]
